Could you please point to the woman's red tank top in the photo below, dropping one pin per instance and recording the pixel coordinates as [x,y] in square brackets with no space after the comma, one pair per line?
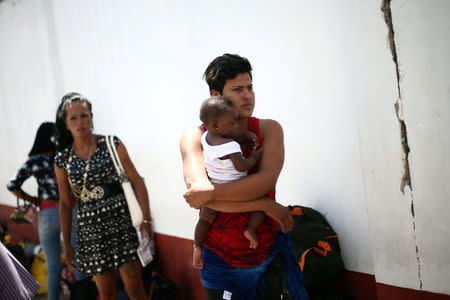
[226,234]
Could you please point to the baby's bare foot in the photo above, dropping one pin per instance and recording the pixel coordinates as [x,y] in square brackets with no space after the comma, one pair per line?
[252,237]
[197,260]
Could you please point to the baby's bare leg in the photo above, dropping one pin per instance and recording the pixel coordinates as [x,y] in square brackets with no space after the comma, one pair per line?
[256,219]
[207,216]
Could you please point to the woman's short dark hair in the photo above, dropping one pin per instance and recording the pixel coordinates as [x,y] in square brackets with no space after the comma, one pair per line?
[213,107]
[225,67]
[63,137]
[43,141]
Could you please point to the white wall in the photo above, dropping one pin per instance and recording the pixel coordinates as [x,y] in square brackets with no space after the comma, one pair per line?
[423,38]
[322,69]
[28,92]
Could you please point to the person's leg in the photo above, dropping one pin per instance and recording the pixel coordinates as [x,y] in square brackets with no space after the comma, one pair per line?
[207,216]
[132,280]
[272,281]
[256,218]
[49,235]
[106,285]
[269,287]
[73,242]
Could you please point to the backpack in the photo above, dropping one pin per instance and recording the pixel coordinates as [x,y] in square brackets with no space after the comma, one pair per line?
[316,246]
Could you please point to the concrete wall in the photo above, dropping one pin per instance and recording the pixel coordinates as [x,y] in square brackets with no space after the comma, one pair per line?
[323,69]
[423,43]
[28,90]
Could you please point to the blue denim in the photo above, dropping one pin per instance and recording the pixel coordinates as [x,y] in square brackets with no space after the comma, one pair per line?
[49,235]
[245,282]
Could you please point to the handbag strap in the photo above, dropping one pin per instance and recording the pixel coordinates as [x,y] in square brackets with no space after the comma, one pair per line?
[116,159]
[25,204]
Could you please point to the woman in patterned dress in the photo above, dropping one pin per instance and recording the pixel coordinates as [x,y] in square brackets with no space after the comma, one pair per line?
[106,238]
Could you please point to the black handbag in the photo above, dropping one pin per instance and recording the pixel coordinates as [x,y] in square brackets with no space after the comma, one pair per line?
[24,214]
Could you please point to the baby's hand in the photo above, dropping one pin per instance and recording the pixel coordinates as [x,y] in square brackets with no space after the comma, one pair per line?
[251,136]
[245,136]
[257,154]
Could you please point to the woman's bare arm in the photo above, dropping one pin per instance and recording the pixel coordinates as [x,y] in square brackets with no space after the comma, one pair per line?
[25,196]
[201,190]
[192,155]
[65,213]
[247,188]
[138,183]
[194,166]
[271,208]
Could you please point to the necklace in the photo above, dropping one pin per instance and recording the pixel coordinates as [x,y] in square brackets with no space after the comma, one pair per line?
[82,192]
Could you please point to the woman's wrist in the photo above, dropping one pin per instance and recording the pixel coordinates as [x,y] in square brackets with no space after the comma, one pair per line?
[208,191]
[267,205]
[147,220]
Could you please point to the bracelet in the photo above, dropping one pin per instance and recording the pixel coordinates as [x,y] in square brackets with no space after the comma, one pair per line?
[147,221]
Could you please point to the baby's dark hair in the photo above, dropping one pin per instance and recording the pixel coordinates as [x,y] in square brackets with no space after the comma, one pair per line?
[213,107]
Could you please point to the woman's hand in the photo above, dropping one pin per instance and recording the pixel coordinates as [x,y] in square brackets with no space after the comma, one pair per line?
[281,215]
[35,201]
[68,256]
[146,231]
[198,193]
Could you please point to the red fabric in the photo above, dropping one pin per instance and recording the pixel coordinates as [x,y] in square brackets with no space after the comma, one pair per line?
[48,205]
[225,236]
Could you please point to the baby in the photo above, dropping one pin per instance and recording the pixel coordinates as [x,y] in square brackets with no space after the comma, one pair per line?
[224,162]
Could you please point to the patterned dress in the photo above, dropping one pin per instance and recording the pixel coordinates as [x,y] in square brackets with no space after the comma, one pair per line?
[106,238]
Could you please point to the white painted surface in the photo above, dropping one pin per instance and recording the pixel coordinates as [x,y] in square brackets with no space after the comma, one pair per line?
[27,85]
[323,70]
[423,35]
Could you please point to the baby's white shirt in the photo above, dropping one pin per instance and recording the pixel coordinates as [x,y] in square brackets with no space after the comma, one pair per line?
[220,170]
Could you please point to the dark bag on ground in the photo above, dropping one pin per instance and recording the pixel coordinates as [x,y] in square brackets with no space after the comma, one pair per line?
[316,246]
[162,288]
[83,290]
[18,252]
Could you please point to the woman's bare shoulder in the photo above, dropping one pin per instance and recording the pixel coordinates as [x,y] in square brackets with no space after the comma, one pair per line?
[192,133]
[269,125]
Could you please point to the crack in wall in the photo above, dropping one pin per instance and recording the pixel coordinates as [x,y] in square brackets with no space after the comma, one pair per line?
[415,240]
[406,177]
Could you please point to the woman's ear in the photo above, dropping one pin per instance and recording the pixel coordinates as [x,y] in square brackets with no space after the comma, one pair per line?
[214,93]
